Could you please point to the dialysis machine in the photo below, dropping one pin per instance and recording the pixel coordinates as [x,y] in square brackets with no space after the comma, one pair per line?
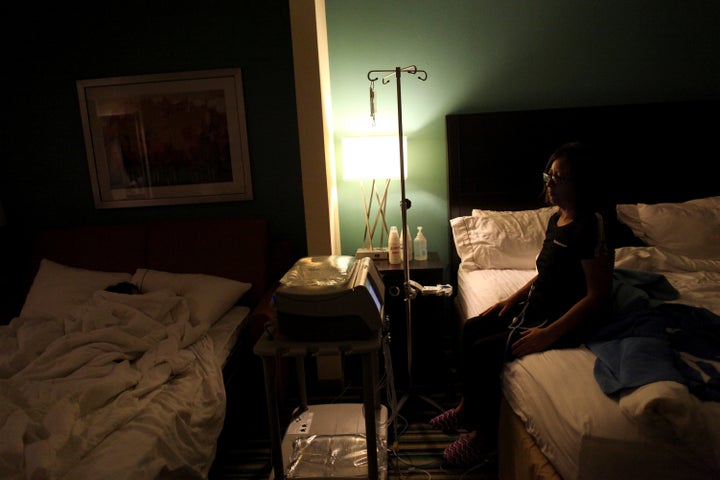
[327,304]
[330,298]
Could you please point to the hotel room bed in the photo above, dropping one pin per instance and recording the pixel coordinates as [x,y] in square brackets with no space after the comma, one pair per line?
[556,420]
[97,384]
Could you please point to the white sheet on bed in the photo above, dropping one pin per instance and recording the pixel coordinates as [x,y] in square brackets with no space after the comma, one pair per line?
[123,387]
[592,438]
[658,431]
[224,333]
[480,289]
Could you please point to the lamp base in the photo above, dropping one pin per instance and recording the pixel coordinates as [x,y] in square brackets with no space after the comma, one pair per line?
[375,253]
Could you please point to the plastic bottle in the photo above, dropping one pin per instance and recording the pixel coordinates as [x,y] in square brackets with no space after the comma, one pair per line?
[409,246]
[420,245]
[394,246]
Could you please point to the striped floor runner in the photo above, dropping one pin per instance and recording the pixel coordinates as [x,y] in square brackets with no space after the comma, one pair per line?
[417,453]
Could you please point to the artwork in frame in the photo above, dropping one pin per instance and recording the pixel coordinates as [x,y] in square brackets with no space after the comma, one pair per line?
[166,139]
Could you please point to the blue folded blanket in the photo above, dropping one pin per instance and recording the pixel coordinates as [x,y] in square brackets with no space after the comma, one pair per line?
[636,289]
[643,345]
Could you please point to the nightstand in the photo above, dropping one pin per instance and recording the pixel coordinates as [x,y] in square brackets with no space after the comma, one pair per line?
[429,325]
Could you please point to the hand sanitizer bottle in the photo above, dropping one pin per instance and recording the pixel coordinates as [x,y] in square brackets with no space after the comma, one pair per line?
[420,245]
[394,246]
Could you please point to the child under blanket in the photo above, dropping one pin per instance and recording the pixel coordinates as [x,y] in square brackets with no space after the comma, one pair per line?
[70,382]
[127,288]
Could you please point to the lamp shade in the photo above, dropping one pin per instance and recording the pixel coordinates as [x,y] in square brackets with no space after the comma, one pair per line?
[374,157]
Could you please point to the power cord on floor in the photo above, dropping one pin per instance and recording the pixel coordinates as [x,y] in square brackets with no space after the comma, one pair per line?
[401,467]
[395,419]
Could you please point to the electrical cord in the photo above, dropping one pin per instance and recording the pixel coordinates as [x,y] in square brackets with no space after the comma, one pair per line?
[518,323]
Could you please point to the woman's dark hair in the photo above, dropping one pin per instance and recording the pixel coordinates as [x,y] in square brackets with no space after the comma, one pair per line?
[586,173]
[592,192]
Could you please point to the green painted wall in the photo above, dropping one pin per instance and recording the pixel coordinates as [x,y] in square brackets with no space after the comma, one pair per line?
[491,55]
[480,55]
[44,177]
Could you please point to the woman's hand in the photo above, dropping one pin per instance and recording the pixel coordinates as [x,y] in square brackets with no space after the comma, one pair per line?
[532,340]
[501,308]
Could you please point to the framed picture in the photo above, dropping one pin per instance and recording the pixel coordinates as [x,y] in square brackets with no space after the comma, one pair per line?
[166,139]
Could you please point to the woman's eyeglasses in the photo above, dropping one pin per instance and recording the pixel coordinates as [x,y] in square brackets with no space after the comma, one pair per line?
[556,179]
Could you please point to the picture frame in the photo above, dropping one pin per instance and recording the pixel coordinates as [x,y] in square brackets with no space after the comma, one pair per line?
[166,139]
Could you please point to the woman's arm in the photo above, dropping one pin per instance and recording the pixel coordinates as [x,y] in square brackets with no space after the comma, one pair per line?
[520,295]
[598,278]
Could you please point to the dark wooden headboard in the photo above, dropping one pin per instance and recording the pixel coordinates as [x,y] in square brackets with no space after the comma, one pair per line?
[238,248]
[662,152]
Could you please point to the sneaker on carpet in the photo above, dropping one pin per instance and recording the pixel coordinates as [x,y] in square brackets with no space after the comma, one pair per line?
[466,452]
[447,422]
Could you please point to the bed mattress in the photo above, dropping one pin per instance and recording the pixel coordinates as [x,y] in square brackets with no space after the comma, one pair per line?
[479,289]
[592,438]
[224,333]
[585,434]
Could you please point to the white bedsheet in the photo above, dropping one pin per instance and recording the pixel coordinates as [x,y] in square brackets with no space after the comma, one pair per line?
[480,289]
[655,432]
[591,437]
[123,387]
[224,333]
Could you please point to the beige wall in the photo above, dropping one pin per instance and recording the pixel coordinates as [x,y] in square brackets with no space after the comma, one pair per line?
[312,91]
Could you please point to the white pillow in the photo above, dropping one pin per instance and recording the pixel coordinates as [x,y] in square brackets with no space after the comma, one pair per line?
[628,214]
[208,296]
[656,259]
[500,239]
[690,228]
[57,288]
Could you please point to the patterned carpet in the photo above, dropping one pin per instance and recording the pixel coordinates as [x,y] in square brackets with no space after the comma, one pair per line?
[417,454]
[420,456]
[244,446]
[419,448]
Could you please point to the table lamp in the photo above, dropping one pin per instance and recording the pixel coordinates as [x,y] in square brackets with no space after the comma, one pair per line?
[377,159]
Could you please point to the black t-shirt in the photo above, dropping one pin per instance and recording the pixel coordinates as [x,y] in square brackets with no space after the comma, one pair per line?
[561,279]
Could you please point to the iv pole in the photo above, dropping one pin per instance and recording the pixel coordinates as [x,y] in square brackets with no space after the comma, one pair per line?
[405,204]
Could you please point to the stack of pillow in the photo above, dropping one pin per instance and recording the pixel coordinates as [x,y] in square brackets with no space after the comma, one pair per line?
[512,239]
[57,288]
[689,228]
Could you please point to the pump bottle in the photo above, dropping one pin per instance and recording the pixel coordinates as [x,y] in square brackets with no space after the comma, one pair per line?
[420,244]
[394,246]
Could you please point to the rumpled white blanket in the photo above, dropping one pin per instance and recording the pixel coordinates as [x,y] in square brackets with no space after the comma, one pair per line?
[123,386]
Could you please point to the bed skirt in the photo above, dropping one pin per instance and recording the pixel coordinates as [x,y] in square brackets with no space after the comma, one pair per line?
[519,457]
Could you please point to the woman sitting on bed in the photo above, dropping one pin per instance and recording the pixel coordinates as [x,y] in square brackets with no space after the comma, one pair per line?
[558,308]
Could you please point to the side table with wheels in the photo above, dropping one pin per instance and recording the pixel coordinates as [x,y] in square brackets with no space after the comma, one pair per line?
[368,418]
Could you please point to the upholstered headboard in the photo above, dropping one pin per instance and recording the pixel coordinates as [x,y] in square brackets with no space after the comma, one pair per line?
[239,248]
[653,152]
[661,152]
